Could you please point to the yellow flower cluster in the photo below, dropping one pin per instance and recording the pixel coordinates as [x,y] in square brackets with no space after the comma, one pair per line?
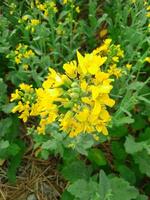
[77,99]
[30,23]
[22,53]
[148,11]
[46,7]
[24,97]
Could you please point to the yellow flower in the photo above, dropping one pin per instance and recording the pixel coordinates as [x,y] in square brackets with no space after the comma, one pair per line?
[113,70]
[41,7]
[26,87]
[53,79]
[148,8]
[148,14]
[77,9]
[25,17]
[101,127]
[15,96]
[115,59]
[78,99]
[24,109]
[147,59]
[28,54]
[18,108]
[64,1]
[25,67]
[103,33]
[128,66]
[71,69]
[83,115]
[86,64]
[35,22]
[17,60]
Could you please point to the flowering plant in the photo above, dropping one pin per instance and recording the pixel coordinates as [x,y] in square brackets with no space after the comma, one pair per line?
[77,99]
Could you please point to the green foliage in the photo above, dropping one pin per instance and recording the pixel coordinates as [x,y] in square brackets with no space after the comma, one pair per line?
[108,188]
[124,155]
[97,156]
[76,170]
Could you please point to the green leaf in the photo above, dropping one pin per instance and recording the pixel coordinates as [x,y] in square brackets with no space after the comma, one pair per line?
[5,125]
[4,144]
[75,170]
[84,190]
[13,149]
[44,154]
[142,197]
[143,160]
[121,154]
[8,107]
[79,189]
[49,145]
[144,99]
[66,196]
[15,162]
[127,173]
[133,147]
[119,131]
[145,135]
[139,123]
[124,120]
[104,186]
[97,156]
[121,190]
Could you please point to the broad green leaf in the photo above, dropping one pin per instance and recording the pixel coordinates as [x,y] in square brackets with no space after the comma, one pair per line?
[104,186]
[66,196]
[49,145]
[5,125]
[143,160]
[75,170]
[118,151]
[144,135]
[118,131]
[44,154]
[139,123]
[97,156]
[13,149]
[4,144]
[15,162]
[121,190]
[133,147]
[127,173]
[8,107]
[84,190]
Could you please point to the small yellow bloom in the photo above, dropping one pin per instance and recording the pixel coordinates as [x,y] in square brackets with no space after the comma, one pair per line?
[71,69]
[148,14]
[113,70]
[15,96]
[17,60]
[25,17]
[148,8]
[115,59]
[103,33]
[77,9]
[64,1]
[128,66]
[35,22]
[147,59]
[26,87]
